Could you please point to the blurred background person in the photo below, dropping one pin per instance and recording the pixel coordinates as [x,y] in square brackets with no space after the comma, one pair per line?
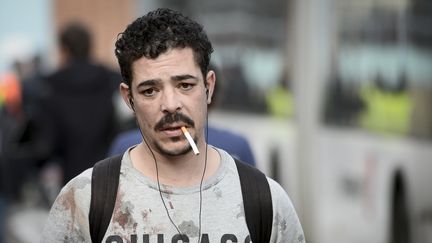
[80,103]
[25,137]
[279,100]
[9,99]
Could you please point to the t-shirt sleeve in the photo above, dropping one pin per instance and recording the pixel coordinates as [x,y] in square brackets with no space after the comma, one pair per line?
[286,224]
[68,217]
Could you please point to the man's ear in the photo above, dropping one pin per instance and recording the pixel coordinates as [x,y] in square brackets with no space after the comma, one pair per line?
[126,95]
[210,85]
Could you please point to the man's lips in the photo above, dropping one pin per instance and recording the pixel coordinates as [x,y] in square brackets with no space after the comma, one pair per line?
[172,131]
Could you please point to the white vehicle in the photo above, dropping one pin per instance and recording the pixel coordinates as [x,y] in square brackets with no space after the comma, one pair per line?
[361,187]
[348,183]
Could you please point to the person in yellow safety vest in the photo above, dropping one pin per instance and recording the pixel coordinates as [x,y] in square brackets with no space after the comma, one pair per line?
[280,101]
[10,93]
[387,111]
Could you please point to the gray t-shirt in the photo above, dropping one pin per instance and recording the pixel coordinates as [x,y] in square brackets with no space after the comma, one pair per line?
[140,216]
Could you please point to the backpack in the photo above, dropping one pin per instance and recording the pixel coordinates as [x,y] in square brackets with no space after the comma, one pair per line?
[257,200]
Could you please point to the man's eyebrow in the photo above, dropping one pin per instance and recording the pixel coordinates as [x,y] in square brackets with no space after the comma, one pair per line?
[183,77]
[150,82]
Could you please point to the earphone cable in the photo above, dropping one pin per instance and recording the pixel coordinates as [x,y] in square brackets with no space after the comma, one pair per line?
[160,191]
[202,179]
[159,188]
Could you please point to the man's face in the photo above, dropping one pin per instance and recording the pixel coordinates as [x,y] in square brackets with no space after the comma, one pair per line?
[169,92]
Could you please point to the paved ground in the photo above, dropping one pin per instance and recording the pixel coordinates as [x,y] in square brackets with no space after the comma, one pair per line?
[24,224]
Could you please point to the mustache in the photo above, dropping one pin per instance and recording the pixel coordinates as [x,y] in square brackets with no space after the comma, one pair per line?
[171,118]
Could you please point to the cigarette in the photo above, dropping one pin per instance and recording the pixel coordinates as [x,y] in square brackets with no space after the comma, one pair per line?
[190,140]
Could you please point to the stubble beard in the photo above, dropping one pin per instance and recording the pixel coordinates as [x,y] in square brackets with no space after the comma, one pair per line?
[173,153]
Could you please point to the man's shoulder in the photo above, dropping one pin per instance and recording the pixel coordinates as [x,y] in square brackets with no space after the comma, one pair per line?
[86,174]
[276,188]
[280,198]
[81,182]
[286,224]
[68,218]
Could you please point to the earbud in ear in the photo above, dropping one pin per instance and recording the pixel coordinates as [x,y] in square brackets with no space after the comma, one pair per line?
[131,104]
[208,99]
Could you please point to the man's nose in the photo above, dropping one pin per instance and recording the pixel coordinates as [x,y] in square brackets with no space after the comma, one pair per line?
[170,101]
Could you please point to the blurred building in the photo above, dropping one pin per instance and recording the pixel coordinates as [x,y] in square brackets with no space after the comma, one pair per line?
[105,20]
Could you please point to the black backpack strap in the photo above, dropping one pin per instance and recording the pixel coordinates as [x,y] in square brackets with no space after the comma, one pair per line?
[104,185]
[257,202]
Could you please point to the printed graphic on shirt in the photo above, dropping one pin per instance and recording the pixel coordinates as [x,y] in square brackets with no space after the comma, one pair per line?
[178,238]
[128,219]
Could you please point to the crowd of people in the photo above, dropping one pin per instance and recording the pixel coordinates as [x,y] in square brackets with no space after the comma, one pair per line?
[63,119]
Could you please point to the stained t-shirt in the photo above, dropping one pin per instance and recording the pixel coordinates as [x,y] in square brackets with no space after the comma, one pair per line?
[140,216]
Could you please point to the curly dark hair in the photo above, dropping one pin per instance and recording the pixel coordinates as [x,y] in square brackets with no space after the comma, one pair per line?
[155,33]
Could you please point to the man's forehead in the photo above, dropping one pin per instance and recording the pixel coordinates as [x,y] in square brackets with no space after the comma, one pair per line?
[174,62]
[185,53]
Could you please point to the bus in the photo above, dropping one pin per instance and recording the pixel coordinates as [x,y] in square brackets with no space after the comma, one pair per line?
[356,157]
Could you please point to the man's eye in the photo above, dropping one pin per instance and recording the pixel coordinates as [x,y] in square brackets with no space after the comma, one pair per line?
[149,92]
[186,86]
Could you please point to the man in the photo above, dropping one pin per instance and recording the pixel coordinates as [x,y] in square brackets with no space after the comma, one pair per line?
[79,105]
[168,189]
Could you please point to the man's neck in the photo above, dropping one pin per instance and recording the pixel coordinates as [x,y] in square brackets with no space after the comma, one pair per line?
[180,171]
